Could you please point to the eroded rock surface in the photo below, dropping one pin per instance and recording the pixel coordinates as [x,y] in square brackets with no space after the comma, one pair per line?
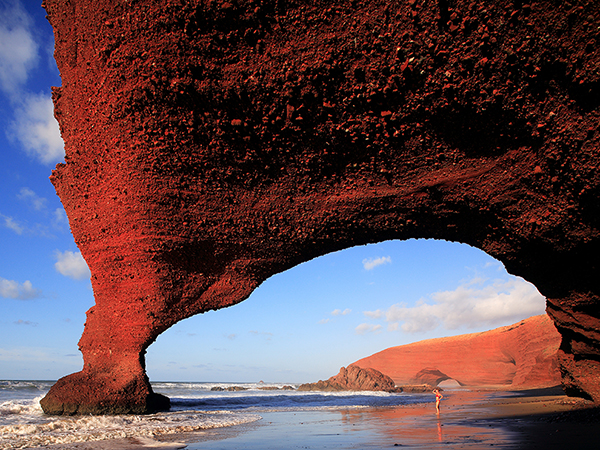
[210,145]
[523,356]
[354,378]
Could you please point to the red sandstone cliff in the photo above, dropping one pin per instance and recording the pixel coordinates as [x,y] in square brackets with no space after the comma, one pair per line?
[210,145]
[523,355]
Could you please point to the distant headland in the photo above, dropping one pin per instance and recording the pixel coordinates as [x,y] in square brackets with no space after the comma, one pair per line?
[519,356]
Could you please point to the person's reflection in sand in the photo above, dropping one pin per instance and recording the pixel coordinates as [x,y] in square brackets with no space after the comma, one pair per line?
[439,431]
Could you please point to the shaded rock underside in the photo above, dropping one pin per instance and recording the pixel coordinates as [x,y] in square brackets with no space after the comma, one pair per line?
[210,145]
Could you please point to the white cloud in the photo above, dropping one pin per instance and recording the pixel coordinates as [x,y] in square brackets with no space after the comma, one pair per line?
[36,128]
[339,312]
[59,218]
[34,354]
[264,334]
[37,229]
[374,314]
[33,124]
[421,318]
[18,49]
[38,203]
[371,263]
[71,265]
[11,224]
[335,313]
[12,289]
[368,328]
[25,322]
[470,305]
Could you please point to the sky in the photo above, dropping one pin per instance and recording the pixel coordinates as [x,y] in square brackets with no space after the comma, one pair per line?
[298,326]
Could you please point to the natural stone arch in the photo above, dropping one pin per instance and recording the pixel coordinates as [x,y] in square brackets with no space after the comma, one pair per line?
[433,377]
[450,383]
[210,145]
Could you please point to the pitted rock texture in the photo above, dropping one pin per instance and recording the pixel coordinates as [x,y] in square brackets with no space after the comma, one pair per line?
[212,144]
[354,378]
[522,356]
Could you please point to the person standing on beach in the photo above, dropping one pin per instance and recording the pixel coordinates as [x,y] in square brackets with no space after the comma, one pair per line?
[438,397]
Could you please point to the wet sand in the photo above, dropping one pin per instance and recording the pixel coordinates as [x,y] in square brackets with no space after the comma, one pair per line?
[543,419]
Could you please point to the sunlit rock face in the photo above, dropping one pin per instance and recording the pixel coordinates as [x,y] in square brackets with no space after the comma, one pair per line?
[210,145]
[354,378]
[521,356]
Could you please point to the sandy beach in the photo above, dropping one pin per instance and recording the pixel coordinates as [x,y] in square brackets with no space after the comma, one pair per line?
[544,419]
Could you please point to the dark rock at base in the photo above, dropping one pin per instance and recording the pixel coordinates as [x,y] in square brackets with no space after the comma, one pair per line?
[418,388]
[107,396]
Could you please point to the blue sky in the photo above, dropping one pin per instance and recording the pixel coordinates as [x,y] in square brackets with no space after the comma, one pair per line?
[301,325]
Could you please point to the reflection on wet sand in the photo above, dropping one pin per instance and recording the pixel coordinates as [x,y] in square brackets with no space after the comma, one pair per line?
[420,425]
[469,420]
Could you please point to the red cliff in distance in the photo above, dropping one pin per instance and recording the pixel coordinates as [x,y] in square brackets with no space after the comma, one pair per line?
[523,355]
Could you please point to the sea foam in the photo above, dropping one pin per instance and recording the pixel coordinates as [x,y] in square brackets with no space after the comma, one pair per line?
[195,407]
[44,430]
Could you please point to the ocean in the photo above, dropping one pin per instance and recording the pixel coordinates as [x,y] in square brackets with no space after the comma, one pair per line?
[194,407]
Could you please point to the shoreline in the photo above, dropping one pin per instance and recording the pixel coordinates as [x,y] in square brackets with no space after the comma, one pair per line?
[541,418]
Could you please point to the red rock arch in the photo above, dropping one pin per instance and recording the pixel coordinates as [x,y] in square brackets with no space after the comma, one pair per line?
[450,383]
[432,376]
[210,145]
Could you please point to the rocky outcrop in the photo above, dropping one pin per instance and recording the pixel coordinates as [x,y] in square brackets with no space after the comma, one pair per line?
[230,388]
[210,145]
[107,393]
[523,355]
[417,388]
[354,378]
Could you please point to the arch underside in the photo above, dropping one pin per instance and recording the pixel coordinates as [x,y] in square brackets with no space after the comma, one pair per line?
[433,377]
[212,145]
